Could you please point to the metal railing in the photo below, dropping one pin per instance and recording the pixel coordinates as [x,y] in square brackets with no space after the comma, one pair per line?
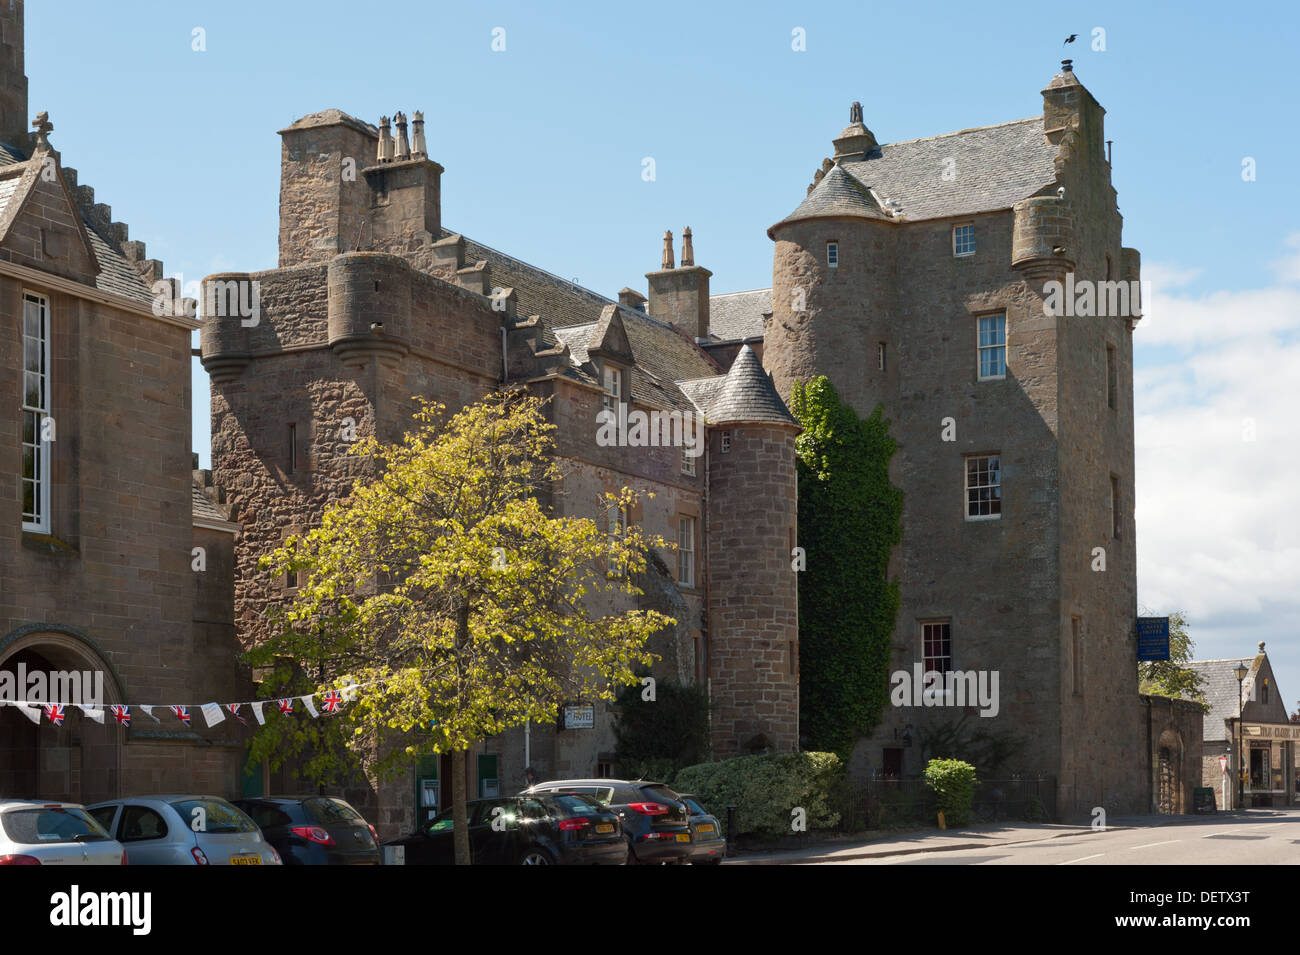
[891,801]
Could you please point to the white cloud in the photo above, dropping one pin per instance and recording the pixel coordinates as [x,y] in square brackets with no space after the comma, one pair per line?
[1217,514]
[1287,268]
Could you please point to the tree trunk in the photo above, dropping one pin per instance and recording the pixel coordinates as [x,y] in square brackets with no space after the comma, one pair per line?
[459,808]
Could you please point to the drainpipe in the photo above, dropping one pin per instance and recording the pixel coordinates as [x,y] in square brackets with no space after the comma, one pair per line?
[505,365]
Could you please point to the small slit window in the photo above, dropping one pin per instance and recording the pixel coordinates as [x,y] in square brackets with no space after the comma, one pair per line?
[832,255]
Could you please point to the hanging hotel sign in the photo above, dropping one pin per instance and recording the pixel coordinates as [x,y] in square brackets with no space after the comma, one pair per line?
[1272,730]
[1153,638]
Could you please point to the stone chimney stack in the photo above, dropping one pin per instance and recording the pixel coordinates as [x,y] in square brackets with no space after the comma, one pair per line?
[856,141]
[405,193]
[680,296]
[13,78]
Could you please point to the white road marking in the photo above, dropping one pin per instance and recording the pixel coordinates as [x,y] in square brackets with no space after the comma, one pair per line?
[1150,844]
[1082,859]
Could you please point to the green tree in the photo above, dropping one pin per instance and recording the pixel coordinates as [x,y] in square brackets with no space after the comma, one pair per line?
[1170,677]
[848,524]
[453,600]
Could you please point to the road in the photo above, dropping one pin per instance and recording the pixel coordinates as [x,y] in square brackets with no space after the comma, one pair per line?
[1258,837]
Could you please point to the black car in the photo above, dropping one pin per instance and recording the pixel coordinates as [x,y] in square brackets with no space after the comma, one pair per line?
[655,820]
[314,830]
[559,829]
[708,844]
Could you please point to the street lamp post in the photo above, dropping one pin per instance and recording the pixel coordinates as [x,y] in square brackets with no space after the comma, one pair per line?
[1240,673]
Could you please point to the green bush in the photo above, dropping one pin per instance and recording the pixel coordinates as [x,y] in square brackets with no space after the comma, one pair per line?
[766,789]
[1034,810]
[953,782]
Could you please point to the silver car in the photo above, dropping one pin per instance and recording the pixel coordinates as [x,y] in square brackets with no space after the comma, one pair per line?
[184,830]
[46,832]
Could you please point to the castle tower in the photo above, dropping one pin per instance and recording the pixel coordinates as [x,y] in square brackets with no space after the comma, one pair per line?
[921,276]
[753,614]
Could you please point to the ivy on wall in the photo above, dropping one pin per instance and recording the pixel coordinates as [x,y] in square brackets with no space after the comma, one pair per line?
[849,517]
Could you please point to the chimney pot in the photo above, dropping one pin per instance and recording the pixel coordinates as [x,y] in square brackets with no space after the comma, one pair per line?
[403,144]
[668,251]
[1067,66]
[688,253]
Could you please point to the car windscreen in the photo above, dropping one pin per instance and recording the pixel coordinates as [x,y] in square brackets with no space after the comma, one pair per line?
[45,825]
[326,811]
[693,805]
[213,816]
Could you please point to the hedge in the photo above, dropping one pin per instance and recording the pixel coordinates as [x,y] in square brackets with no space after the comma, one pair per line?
[766,789]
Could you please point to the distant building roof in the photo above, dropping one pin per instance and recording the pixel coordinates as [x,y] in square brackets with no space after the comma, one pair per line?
[1220,689]
[736,316]
[207,514]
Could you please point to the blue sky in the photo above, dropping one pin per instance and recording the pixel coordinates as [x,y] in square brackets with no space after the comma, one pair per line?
[543,146]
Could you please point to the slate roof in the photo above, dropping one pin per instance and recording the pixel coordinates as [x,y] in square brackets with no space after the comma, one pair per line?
[117,275]
[745,395]
[205,509]
[1220,689]
[838,194]
[994,167]
[734,316]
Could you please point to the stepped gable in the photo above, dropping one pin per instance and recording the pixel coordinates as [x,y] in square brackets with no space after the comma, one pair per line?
[745,395]
[123,268]
[736,316]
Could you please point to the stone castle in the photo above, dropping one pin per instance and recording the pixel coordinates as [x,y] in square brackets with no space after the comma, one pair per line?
[914,274]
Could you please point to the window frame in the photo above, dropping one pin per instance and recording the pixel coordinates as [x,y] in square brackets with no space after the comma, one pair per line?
[832,253]
[610,372]
[686,554]
[955,229]
[967,487]
[42,451]
[980,347]
[724,442]
[944,639]
[688,463]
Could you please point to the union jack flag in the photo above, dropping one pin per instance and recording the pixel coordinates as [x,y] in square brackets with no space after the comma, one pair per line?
[55,712]
[286,706]
[333,700]
[234,711]
[182,713]
[121,713]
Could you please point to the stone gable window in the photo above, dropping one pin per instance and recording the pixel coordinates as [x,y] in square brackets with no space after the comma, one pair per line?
[983,487]
[35,409]
[613,382]
[936,645]
[991,345]
[963,240]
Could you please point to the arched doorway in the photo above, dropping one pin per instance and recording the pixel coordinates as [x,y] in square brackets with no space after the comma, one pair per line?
[1169,773]
[79,761]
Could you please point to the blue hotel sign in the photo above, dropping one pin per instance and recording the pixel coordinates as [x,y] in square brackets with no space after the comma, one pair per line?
[1153,638]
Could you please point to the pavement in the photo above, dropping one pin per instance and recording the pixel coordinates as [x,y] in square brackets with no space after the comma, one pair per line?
[991,835]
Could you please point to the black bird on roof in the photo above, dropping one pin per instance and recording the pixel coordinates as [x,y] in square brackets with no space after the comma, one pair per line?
[1071,38]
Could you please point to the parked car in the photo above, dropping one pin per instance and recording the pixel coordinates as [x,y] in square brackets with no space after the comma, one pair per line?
[314,830]
[40,832]
[547,829]
[708,843]
[184,830]
[655,820]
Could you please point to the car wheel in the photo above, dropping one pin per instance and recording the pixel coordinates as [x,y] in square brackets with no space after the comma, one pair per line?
[536,856]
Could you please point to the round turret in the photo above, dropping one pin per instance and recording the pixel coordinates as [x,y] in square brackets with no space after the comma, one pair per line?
[369,306]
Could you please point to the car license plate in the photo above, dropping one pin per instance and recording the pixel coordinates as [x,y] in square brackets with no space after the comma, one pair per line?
[605,827]
[706,827]
[245,860]
[683,837]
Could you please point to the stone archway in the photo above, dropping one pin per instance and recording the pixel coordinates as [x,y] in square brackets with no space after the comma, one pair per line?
[80,761]
[1169,773]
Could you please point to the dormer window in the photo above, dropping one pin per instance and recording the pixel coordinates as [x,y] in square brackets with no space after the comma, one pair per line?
[832,255]
[963,240]
[613,382]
